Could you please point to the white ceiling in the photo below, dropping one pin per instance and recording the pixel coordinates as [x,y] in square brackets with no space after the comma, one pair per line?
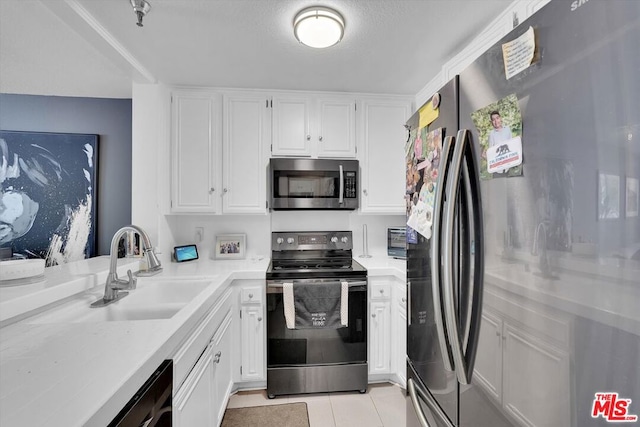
[93,47]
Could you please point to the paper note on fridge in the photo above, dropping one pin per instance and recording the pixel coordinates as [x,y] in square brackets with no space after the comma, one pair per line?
[505,155]
[518,54]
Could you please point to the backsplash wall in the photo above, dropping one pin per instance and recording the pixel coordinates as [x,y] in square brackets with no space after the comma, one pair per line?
[258,229]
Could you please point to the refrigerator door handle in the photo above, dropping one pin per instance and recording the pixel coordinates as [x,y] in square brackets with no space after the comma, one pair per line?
[472,180]
[463,156]
[436,248]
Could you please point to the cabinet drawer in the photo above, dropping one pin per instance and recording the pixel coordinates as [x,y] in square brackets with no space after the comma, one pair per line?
[380,291]
[251,295]
[188,354]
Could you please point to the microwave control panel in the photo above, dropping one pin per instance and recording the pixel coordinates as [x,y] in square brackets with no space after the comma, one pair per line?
[350,190]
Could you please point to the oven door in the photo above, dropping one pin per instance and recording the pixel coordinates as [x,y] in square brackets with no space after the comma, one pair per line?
[314,184]
[303,347]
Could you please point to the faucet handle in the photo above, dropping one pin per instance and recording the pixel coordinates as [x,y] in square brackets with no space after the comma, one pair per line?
[133,281]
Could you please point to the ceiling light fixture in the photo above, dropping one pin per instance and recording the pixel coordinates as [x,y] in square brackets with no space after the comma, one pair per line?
[141,8]
[318,27]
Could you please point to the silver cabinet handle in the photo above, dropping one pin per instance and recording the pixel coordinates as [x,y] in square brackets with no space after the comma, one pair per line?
[436,247]
[217,357]
[250,296]
[404,299]
[381,291]
[225,190]
[365,191]
[308,137]
[211,190]
[373,315]
[320,138]
[259,319]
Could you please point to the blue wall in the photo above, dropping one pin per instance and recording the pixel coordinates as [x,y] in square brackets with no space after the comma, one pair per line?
[108,118]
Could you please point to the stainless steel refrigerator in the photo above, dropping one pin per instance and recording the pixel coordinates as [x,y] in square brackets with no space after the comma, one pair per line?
[524,283]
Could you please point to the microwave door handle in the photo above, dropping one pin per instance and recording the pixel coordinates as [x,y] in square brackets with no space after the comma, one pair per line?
[341,197]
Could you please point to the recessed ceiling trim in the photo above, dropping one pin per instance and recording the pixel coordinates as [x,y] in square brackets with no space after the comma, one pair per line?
[108,37]
[122,55]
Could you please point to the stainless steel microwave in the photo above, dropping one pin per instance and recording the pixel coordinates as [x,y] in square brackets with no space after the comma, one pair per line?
[313,184]
[397,242]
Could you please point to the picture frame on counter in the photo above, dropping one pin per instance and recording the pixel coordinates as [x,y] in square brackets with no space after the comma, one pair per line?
[230,246]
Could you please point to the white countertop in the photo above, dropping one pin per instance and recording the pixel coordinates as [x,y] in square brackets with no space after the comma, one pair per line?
[73,374]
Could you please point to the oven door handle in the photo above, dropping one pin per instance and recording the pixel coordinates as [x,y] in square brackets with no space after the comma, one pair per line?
[340,196]
[352,284]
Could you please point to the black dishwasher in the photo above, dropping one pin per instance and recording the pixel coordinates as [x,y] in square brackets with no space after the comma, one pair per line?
[151,405]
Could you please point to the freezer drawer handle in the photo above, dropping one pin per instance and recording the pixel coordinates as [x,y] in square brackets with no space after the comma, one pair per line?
[416,404]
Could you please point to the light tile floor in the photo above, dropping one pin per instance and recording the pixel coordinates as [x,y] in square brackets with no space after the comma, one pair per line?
[383,405]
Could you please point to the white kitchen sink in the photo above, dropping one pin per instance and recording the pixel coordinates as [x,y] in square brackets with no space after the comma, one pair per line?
[154,298]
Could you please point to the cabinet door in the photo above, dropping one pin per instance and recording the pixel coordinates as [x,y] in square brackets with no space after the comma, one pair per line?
[246,131]
[488,366]
[253,343]
[291,135]
[536,380]
[193,402]
[336,128]
[222,358]
[195,152]
[400,333]
[380,337]
[382,157]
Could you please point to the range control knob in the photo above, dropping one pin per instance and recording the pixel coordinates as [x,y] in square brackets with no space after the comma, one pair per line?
[290,240]
[334,239]
[344,239]
[279,240]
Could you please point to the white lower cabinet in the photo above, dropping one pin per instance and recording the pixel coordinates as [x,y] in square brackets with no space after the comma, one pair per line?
[379,326]
[525,369]
[400,332]
[380,337]
[193,404]
[387,329]
[252,331]
[202,369]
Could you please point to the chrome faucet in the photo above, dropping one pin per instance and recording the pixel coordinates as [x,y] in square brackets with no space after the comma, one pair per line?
[114,287]
[540,249]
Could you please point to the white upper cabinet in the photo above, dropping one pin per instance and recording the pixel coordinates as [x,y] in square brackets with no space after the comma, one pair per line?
[336,127]
[246,131]
[313,126]
[291,131]
[382,159]
[195,151]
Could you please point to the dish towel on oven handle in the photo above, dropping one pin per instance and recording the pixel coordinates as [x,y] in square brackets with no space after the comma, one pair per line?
[289,306]
[311,306]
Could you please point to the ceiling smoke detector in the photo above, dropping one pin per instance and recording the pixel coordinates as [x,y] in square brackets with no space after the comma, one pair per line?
[140,7]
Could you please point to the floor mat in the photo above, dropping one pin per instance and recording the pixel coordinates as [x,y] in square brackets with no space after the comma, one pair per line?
[286,415]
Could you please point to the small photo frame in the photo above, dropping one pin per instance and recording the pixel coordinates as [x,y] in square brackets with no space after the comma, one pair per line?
[632,199]
[230,246]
